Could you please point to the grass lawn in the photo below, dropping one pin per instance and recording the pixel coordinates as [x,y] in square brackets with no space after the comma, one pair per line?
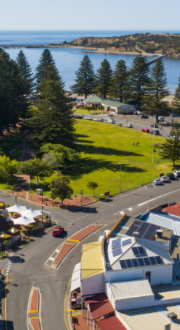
[87,112]
[103,147]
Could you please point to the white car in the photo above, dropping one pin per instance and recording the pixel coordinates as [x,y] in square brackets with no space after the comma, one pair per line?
[157,182]
[109,121]
[177,174]
[129,125]
[98,119]
[160,118]
[88,118]
[164,179]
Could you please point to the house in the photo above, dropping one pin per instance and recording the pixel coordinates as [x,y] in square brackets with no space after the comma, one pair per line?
[117,107]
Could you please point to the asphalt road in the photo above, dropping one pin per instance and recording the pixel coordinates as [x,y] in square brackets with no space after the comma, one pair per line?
[138,122]
[29,268]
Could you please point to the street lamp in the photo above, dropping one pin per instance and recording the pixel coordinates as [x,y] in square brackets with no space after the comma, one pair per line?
[148,197]
[42,212]
[15,199]
[153,141]
[81,195]
[120,174]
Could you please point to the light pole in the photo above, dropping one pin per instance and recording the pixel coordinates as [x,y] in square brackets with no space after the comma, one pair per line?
[156,165]
[81,195]
[153,142]
[42,212]
[148,197]
[15,199]
[120,174]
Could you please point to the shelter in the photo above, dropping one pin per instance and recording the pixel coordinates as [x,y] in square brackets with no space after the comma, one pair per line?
[32,213]
[76,277]
[23,221]
[17,209]
[93,100]
[117,107]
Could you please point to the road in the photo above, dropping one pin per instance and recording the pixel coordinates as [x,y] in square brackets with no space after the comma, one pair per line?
[138,122]
[28,265]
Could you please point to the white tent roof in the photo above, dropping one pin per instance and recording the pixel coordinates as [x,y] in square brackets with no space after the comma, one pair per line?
[75,281]
[24,221]
[32,213]
[17,208]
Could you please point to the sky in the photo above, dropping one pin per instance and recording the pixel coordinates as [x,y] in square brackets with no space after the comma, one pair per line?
[90,15]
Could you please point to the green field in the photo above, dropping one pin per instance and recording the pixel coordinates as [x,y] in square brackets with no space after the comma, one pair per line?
[103,147]
[87,112]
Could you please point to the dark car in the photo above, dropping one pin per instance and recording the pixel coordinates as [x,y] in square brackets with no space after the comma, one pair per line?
[154,125]
[155,132]
[170,176]
[144,116]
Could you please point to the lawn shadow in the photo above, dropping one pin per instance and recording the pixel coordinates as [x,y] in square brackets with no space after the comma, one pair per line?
[90,149]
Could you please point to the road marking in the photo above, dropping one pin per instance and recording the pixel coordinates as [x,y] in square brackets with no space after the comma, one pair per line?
[130,209]
[5,302]
[132,192]
[51,258]
[57,250]
[65,300]
[153,185]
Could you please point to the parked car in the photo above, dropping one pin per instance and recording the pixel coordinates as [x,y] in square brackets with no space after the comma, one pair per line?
[157,182]
[177,174]
[170,176]
[98,119]
[88,118]
[155,132]
[164,179]
[175,115]
[139,112]
[160,118]
[128,125]
[154,125]
[78,116]
[110,115]
[109,120]
[146,130]
[144,116]
[57,231]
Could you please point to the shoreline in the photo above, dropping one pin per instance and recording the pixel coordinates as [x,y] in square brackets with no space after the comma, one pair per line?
[87,50]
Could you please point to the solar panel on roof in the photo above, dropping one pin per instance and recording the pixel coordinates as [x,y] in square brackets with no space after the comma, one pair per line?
[138,251]
[116,241]
[147,261]
[152,260]
[129,263]
[126,242]
[123,264]
[141,262]
[150,232]
[159,260]
[117,252]
[141,250]
[145,229]
[116,246]
[135,262]
[135,251]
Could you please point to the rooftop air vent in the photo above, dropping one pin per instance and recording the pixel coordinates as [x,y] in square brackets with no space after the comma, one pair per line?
[167,326]
[159,232]
[136,234]
[172,315]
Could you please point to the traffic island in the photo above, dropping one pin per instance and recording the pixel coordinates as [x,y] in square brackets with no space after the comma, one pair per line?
[79,236]
[66,247]
[34,310]
[34,323]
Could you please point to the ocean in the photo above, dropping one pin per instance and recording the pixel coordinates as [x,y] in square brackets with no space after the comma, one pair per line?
[68,59]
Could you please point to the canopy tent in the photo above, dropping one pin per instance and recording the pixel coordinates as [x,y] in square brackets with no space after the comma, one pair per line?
[13,230]
[76,277]
[32,213]
[93,100]
[17,208]
[25,221]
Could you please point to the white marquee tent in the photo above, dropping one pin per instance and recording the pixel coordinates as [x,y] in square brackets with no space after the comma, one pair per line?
[23,221]
[17,208]
[32,213]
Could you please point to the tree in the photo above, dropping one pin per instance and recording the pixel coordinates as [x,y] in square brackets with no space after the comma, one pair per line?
[62,154]
[26,72]
[119,81]
[45,61]
[171,148]
[51,120]
[35,168]
[139,77]
[60,188]
[157,90]
[176,100]
[92,186]
[8,167]
[84,78]
[102,78]
[50,159]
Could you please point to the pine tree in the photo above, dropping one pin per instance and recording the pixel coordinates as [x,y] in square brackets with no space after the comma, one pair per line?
[84,78]
[119,82]
[176,100]
[171,148]
[103,78]
[157,90]
[51,122]
[139,77]
[26,72]
[46,60]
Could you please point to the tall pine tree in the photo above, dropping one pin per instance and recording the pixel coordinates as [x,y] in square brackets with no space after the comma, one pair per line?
[103,78]
[51,122]
[171,148]
[46,60]
[139,77]
[26,72]
[119,82]
[176,100]
[84,78]
[157,90]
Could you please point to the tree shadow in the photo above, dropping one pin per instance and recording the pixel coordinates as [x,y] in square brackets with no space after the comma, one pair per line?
[16,259]
[88,165]
[82,209]
[89,149]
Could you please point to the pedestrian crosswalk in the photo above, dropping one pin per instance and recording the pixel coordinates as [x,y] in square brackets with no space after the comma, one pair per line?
[8,265]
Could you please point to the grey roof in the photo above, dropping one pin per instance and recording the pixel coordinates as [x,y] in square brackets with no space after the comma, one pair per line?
[165,220]
[131,289]
[93,100]
[115,104]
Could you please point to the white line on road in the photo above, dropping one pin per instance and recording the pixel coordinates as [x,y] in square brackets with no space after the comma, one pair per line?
[130,209]
[132,192]
[153,185]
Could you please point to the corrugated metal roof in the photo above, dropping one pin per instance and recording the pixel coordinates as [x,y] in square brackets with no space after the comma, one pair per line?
[111,323]
[90,246]
[173,209]
[91,261]
[115,104]
[165,220]
[131,289]
[94,99]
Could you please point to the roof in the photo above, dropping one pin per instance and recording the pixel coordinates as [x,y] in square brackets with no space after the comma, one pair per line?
[173,209]
[113,103]
[138,288]
[91,260]
[152,249]
[76,277]
[166,220]
[99,305]
[111,323]
[93,99]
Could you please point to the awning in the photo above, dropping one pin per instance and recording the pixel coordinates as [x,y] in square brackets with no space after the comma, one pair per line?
[76,277]
[23,221]
[32,213]
[17,208]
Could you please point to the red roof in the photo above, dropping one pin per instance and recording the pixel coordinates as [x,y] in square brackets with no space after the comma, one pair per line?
[111,323]
[99,305]
[173,209]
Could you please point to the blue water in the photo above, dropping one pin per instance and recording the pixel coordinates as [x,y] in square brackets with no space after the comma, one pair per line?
[67,60]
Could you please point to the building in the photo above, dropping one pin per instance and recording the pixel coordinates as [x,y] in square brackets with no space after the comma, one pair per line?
[117,107]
